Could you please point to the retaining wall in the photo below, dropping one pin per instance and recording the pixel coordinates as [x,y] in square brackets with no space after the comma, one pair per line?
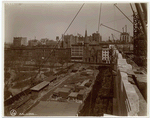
[125,95]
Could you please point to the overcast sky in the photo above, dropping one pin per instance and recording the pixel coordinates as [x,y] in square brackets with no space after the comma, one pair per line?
[52,19]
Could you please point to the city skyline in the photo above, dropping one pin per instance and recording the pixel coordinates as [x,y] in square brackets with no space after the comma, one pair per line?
[52,19]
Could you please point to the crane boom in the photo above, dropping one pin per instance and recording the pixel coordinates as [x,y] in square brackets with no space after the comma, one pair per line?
[123,13]
[111,28]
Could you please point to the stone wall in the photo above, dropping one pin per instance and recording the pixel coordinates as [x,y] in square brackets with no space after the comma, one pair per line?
[125,95]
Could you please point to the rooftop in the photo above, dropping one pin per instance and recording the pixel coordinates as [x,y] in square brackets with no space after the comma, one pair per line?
[81,92]
[66,90]
[40,86]
[50,78]
[57,90]
[84,82]
[73,94]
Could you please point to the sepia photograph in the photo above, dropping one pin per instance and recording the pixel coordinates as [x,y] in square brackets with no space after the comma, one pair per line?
[75,58]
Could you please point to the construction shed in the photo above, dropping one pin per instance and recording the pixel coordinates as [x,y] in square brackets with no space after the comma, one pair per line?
[78,88]
[84,82]
[56,92]
[81,95]
[36,90]
[72,87]
[73,95]
[64,92]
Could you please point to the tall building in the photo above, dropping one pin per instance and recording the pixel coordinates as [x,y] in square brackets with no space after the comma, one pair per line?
[80,40]
[68,40]
[20,41]
[96,37]
[77,52]
[33,42]
[51,43]
[125,37]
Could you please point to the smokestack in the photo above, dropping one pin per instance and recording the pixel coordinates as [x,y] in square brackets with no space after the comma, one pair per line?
[125,28]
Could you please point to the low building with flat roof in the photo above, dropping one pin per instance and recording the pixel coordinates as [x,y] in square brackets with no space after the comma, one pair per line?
[84,82]
[40,86]
[64,92]
[36,90]
[73,95]
[81,95]
[56,92]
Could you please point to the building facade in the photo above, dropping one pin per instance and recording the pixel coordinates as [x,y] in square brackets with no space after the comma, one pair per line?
[52,44]
[80,40]
[77,52]
[68,40]
[96,37]
[33,42]
[44,41]
[38,54]
[20,41]
[124,37]
[105,54]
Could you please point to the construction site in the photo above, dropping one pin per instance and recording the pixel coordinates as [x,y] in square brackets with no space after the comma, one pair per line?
[84,77]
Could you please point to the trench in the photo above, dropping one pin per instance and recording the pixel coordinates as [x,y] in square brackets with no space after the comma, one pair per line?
[100,99]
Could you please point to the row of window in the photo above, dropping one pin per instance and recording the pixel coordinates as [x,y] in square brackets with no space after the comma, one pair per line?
[76,54]
[77,48]
[77,51]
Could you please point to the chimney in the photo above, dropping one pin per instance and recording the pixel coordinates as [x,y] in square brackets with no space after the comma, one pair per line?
[125,28]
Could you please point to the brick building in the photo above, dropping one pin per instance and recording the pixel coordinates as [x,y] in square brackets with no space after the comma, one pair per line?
[37,54]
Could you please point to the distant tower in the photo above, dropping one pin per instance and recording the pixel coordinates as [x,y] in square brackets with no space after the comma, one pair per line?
[57,39]
[85,39]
